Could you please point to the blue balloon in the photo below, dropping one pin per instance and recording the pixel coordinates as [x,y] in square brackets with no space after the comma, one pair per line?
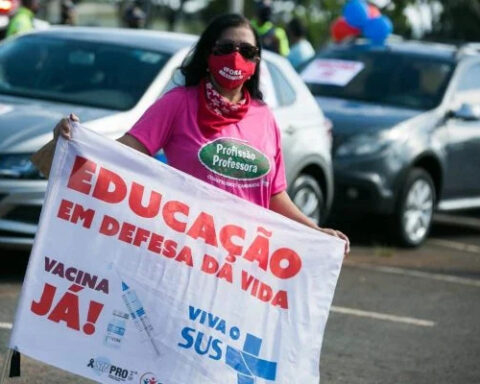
[378,29]
[356,13]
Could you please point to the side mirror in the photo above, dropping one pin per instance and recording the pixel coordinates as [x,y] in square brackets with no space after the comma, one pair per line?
[469,112]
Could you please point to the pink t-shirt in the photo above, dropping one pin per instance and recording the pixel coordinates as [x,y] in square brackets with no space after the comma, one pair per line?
[244,158]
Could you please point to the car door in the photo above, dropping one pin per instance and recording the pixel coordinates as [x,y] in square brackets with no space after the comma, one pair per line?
[463,148]
[290,119]
[283,95]
[305,136]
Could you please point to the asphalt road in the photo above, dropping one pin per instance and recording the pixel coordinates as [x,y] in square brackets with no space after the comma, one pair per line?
[399,316]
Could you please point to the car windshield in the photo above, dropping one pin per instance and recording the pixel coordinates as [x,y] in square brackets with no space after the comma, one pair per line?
[382,77]
[77,72]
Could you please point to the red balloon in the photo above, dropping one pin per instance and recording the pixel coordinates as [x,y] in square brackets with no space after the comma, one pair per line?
[340,30]
[373,12]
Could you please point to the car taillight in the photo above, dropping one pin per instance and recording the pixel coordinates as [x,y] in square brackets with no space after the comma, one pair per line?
[8,6]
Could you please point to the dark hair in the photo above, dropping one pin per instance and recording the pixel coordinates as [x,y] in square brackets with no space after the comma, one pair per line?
[296,28]
[264,12]
[195,65]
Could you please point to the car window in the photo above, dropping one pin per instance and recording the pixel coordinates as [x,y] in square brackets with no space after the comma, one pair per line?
[176,80]
[267,86]
[78,72]
[468,89]
[284,91]
[383,77]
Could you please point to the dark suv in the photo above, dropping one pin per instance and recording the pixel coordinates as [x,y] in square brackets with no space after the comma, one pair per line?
[406,129]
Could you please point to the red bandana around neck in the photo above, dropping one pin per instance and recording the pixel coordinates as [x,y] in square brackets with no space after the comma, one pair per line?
[215,112]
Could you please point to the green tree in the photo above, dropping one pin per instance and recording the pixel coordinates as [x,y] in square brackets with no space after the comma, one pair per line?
[318,15]
[459,21]
[396,11]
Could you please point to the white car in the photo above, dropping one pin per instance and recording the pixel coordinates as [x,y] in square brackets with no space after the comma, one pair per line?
[108,77]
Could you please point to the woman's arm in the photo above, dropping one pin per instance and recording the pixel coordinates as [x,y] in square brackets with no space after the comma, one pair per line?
[282,204]
[43,158]
[132,142]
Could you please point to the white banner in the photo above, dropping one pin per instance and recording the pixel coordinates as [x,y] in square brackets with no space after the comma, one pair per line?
[331,71]
[143,274]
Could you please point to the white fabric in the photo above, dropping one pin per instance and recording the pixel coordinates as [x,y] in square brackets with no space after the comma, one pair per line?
[85,325]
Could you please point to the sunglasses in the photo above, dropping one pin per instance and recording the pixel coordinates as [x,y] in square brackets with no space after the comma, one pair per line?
[248,51]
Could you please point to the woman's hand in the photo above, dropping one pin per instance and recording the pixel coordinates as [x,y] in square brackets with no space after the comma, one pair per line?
[64,128]
[42,159]
[282,204]
[340,235]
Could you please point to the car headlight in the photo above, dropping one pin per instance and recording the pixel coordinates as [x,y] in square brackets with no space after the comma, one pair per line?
[363,145]
[18,166]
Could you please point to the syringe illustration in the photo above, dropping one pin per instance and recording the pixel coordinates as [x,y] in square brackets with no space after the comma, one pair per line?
[137,312]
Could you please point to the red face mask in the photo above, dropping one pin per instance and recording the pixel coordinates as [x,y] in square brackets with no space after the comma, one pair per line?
[232,70]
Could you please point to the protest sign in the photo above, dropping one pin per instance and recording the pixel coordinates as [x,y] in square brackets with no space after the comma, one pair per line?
[332,71]
[143,274]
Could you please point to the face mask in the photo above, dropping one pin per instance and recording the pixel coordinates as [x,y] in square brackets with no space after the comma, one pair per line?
[232,70]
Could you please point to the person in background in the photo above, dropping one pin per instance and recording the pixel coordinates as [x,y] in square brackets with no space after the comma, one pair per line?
[68,14]
[272,38]
[300,49]
[22,21]
[135,17]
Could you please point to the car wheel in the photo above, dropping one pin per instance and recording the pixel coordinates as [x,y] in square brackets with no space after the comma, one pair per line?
[307,195]
[413,218]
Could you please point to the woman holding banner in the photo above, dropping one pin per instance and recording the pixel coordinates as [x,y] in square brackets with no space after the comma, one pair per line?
[219,110]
